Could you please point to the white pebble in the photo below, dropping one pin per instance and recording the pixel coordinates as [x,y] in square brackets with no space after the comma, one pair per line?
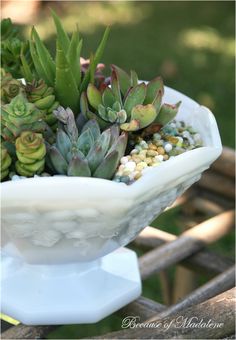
[131,176]
[159,158]
[186,134]
[191,141]
[197,138]
[138,147]
[168,147]
[156,136]
[17,178]
[121,167]
[180,139]
[173,125]
[144,144]
[130,165]
[124,160]
[134,151]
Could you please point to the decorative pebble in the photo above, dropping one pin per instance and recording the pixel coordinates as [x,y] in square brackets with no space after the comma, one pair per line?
[144,144]
[156,136]
[134,151]
[168,147]
[125,179]
[171,141]
[159,158]
[17,178]
[124,160]
[130,165]
[161,150]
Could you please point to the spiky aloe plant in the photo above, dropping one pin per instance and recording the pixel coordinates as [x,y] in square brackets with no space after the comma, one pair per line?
[30,151]
[5,162]
[39,93]
[90,154]
[64,73]
[20,115]
[132,105]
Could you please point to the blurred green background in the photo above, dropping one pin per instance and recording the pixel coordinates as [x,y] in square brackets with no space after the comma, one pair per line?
[190,43]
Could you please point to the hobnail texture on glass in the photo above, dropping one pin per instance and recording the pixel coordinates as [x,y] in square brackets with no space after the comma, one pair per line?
[71,219]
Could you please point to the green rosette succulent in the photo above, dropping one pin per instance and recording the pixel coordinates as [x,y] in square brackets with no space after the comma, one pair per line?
[10,87]
[15,53]
[90,154]
[133,105]
[5,162]
[20,115]
[30,152]
[39,93]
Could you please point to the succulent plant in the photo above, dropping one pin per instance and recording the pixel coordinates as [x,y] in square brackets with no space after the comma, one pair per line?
[132,105]
[10,87]
[64,73]
[99,78]
[90,154]
[39,93]
[5,162]
[15,54]
[8,30]
[30,152]
[20,115]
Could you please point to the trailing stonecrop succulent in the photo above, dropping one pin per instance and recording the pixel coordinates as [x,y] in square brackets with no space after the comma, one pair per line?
[30,152]
[132,105]
[5,162]
[90,153]
[64,73]
[18,116]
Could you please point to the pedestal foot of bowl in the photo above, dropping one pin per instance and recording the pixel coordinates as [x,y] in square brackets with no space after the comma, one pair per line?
[69,293]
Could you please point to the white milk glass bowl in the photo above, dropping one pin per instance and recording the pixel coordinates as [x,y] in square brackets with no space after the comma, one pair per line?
[63,235]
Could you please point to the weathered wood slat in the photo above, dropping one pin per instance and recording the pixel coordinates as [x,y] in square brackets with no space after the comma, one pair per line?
[143,307]
[203,260]
[225,164]
[185,281]
[27,332]
[146,308]
[213,287]
[187,244]
[205,206]
[217,183]
[226,202]
[219,309]
[208,262]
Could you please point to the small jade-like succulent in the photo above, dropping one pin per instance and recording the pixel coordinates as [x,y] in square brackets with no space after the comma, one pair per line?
[30,152]
[132,105]
[90,154]
[5,162]
[10,87]
[20,115]
[39,93]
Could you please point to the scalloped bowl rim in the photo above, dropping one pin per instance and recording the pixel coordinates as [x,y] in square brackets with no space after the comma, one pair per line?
[159,176]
